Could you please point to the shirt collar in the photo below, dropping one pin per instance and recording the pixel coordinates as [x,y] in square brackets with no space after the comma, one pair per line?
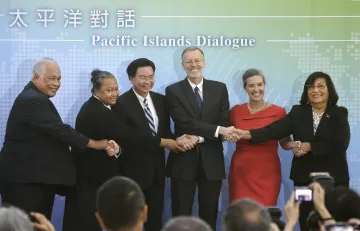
[200,85]
[140,98]
[108,106]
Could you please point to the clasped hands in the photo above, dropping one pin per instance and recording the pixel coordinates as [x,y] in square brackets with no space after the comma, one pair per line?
[110,146]
[299,148]
[231,134]
[185,143]
[182,143]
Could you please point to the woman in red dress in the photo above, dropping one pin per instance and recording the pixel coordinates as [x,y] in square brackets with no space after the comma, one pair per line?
[255,170]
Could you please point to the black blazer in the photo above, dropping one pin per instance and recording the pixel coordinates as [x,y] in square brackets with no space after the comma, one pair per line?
[36,146]
[99,122]
[328,145]
[141,164]
[188,120]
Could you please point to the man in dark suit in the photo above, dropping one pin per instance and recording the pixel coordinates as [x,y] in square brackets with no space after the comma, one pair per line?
[145,110]
[35,161]
[97,119]
[199,107]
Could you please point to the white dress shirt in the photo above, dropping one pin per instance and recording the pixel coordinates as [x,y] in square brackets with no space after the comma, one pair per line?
[108,106]
[151,107]
[200,86]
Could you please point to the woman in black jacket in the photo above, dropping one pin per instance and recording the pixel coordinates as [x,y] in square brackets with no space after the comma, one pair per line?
[96,119]
[323,129]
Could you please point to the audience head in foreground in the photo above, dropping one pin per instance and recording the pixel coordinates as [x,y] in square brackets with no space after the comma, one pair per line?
[246,215]
[120,205]
[343,204]
[186,223]
[14,219]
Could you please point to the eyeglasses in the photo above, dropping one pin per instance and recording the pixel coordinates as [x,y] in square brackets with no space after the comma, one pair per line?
[320,86]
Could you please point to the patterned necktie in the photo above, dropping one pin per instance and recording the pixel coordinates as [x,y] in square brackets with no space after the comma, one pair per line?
[198,98]
[149,117]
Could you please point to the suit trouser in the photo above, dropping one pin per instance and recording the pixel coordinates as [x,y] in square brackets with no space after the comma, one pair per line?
[183,191]
[30,197]
[154,196]
[80,208]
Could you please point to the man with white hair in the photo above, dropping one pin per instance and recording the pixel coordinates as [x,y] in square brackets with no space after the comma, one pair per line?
[186,223]
[35,161]
[14,219]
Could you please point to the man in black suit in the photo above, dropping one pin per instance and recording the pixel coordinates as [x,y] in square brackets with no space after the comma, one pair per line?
[199,107]
[145,110]
[97,119]
[35,161]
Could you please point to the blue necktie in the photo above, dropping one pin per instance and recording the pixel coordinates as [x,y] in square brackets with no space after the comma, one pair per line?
[149,118]
[198,98]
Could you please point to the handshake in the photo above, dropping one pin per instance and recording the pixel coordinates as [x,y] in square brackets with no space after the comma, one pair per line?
[232,134]
[299,148]
[111,147]
[181,144]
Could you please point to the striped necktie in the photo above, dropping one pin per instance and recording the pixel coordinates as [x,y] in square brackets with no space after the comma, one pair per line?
[149,117]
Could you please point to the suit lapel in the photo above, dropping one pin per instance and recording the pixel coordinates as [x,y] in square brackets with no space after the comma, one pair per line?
[137,110]
[54,108]
[189,94]
[158,108]
[206,97]
[322,127]
[308,122]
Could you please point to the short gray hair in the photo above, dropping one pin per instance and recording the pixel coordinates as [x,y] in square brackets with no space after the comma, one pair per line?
[39,67]
[246,215]
[14,219]
[193,48]
[186,223]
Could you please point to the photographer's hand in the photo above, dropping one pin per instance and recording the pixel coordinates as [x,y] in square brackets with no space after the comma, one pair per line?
[355,222]
[42,224]
[319,203]
[274,227]
[292,211]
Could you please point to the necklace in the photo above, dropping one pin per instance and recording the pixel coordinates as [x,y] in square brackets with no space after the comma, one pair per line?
[248,105]
[319,115]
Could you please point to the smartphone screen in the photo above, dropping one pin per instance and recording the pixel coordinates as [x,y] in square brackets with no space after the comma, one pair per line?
[303,194]
[339,227]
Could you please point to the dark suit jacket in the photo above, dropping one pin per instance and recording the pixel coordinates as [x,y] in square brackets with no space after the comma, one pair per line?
[99,122]
[188,120]
[141,164]
[36,146]
[328,145]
